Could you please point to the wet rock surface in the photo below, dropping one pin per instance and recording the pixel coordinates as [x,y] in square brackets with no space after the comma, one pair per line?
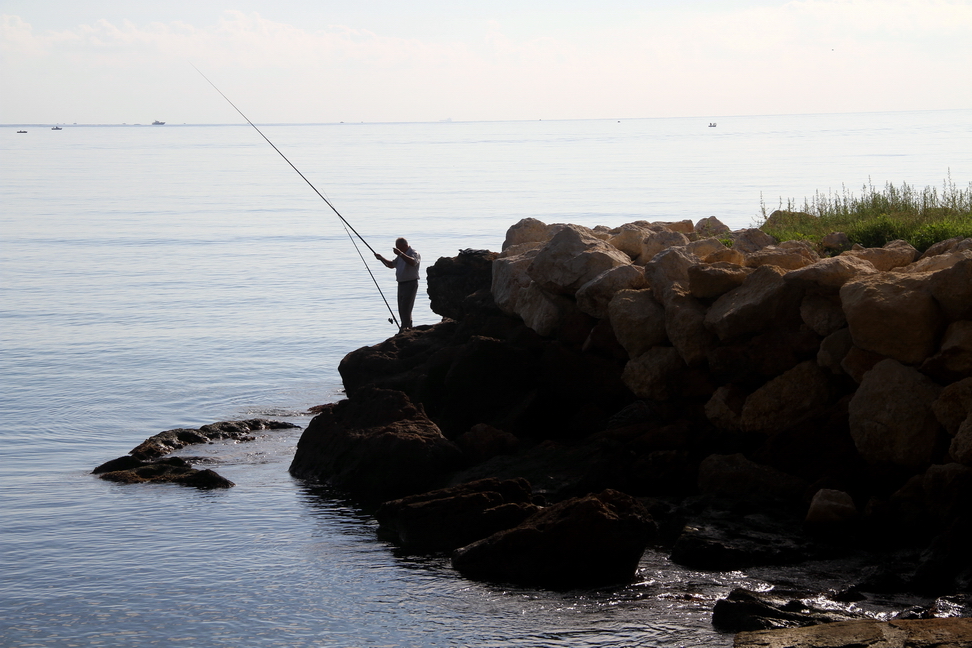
[147,461]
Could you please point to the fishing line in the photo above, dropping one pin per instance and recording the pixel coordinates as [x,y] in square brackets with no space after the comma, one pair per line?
[347,225]
[391,319]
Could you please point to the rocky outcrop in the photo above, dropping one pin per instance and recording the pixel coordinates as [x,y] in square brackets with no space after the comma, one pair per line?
[654,360]
[147,461]
[378,445]
[584,541]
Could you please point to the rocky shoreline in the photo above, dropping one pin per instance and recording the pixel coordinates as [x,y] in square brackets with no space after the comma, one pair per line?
[593,391]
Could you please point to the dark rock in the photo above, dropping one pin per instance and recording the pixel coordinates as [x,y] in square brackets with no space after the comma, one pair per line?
[449,518]
[128,470]
[451,280]
[743,610]
[378,446]
[484,442]
[733,542]
[581,542]
[735,476]
[171,440]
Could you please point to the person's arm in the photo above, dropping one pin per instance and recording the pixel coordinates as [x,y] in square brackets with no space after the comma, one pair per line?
[409,260]
[388,264]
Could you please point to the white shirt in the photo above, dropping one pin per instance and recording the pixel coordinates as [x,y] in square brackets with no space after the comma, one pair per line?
[405,272]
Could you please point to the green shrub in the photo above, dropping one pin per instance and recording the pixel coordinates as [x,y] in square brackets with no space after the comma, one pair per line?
[876,217]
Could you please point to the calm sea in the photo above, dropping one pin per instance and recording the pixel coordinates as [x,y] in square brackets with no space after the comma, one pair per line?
[172,276]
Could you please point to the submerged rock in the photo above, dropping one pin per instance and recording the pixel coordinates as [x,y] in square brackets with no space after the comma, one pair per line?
[743,610]
[171,440]
[144,463]
[128,470]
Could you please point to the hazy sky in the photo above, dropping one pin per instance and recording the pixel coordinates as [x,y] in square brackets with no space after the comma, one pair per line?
[117,61]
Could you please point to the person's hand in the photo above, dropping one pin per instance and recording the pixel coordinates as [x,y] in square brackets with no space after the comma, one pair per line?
[377,256]
[396,251]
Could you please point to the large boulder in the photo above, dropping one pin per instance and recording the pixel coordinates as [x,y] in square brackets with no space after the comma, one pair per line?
[893,314]
[542,311]
[735,476]
[828,275]
[452,279]
[638,320]
[954,405]
[822,313]
[581,542]
[750,240]
[891,416]
[895,254]
[954,359]
[952,287]
[788,258]
[629,238]
[573,257]
[787,399]
[528,230]
[653,374]
[449,518]
[510,279]
[594,297]
[685,328]
[378,446]
[711,226]
[960,448]
[764,299]
[711,280]
[659,241]
[831,508]
[667,272]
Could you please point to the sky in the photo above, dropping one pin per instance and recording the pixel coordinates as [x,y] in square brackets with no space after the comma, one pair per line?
[322,61]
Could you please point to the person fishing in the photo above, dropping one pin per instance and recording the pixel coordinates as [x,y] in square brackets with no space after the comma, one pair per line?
[407,272]
[406,265]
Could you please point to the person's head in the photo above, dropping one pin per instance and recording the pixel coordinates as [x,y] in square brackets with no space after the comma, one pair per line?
[401,244]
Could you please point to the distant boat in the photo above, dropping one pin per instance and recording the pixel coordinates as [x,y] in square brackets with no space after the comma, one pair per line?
[712,124]
[158,123]
[57,128]
[21,131]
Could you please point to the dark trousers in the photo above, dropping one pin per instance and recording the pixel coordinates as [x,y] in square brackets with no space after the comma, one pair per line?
[406,300]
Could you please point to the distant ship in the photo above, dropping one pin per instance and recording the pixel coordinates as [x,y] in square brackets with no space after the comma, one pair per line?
[158,123]
[21,131]
[57,128]
[712,124]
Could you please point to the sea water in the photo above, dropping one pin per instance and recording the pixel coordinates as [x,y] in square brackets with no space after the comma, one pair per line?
[154,277]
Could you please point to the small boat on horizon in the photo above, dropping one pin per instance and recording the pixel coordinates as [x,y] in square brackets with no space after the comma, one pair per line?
[21,131]
[712,124]
[158,123]
[57,128]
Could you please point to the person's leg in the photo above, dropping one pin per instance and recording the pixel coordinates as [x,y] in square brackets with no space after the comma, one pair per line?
[407,290]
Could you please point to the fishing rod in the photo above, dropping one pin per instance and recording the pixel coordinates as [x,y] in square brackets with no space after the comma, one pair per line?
[347,225]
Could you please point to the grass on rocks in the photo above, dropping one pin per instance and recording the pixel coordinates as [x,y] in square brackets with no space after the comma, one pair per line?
[920,217]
